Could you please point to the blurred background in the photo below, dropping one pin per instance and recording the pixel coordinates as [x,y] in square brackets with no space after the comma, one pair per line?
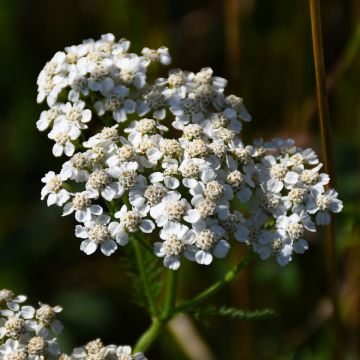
[264,49]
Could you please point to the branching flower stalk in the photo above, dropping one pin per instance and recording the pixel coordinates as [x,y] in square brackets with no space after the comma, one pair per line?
[159,163]
[170,310]
[213,289]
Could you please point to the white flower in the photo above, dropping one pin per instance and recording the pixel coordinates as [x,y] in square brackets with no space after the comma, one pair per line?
[251,230]
[306,156]
[273,203]
[213,190]
[17,324]
[285,254]
[63,134]
[193,169]
[97,350]
[97,233]
[188,110]
[94,348]
[81,204]
[279,175]
[311,179]
[127,176]
[161,55]
[105,139]
[142,196]
[241,182]
[170,181]
[176,237]
[218,127]
[47,117]
[209,242]
[292,230]
[79,85]
[124,352]
[295,198]
[293,226]
[321,204]
[52,79]
[132,71]
[124,153]
[74,115]
[242,154]
[101,183]
[45,317]
[282,146]
[137,129]
[131,221]
[38,346]
[100,79]
[173,208]
[116,103]
[54,189]
[177,82]
[152,99]
[8,298]
[77,168]
[234,107]
[13,349]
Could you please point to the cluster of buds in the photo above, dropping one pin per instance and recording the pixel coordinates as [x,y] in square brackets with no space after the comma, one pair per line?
[164,157]
[28,333]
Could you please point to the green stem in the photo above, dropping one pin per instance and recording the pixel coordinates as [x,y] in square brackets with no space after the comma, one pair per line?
[324,122]
[149,336]
[170,295]
[144,278]
[210,291]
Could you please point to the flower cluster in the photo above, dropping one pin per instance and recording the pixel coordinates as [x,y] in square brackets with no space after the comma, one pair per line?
[164,157]
[28,333]
[96,350]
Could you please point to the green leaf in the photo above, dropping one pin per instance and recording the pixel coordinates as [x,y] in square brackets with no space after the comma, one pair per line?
[233,313]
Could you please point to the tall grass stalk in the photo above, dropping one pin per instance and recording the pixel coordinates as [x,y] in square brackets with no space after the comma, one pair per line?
[324,124]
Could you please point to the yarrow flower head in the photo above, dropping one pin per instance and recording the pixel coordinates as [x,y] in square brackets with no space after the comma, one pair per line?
[95,349]
[28,333]
[162,159]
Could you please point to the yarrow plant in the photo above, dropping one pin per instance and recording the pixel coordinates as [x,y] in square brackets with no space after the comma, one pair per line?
[30,333]
[159,164]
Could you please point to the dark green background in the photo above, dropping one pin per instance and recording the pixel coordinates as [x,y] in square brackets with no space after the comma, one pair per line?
[264,49]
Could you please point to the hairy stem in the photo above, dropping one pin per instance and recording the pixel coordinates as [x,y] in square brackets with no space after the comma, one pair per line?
[210,291]
[324,122]
[144,277]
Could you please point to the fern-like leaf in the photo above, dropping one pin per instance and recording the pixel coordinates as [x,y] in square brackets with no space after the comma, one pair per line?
[233,313]
[153,272]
